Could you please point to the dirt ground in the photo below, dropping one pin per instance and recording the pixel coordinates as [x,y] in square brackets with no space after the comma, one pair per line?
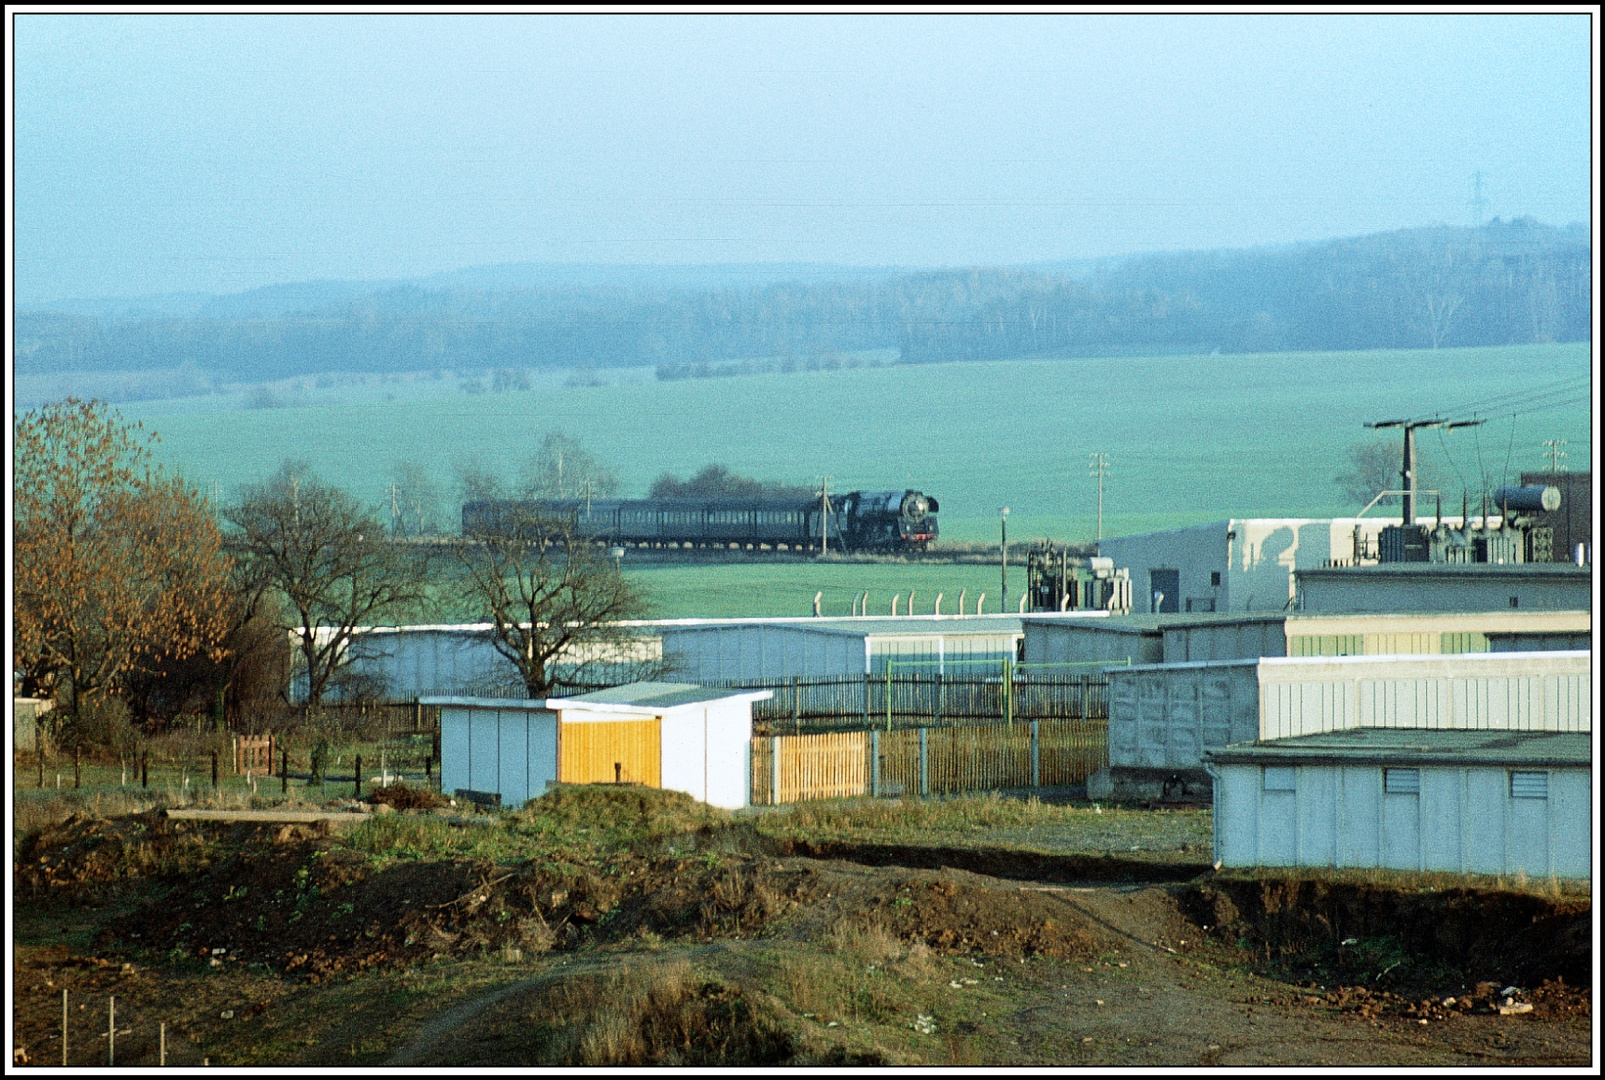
[281,947]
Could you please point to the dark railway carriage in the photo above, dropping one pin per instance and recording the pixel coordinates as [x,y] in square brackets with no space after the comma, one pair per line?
[858,520]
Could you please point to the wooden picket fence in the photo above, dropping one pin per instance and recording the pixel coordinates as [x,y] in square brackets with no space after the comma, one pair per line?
[927,761]
[253,753]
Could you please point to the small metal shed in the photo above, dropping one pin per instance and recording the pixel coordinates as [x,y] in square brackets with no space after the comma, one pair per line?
[676,736]
[1478,802]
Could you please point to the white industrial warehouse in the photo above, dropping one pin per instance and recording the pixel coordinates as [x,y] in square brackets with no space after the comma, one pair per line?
[675,736]
[1477,802]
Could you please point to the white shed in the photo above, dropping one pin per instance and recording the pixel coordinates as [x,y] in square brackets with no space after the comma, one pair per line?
[676,736]
[1476,802]
[1162,717]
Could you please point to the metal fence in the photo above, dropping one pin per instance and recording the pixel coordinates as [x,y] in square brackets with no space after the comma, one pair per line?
[893,701]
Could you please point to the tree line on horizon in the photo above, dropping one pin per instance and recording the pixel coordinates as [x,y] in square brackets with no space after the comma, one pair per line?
[1509,282]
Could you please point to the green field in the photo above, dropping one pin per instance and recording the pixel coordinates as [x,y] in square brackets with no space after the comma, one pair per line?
[1189,439]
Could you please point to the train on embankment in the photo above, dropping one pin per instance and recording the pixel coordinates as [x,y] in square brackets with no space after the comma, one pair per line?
[858,521]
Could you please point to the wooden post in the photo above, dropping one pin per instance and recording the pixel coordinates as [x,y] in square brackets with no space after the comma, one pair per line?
[144,768]
[925,763]
[357,794]
[77,765]
[284,772]
[111,1031]
[162,1060]
[64,1029]
[1036,753]
[235,742]
[774,770]
[417,715]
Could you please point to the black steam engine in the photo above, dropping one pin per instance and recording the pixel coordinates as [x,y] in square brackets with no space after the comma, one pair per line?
[882,521]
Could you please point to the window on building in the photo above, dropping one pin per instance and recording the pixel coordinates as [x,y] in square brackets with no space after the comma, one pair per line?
[1529,785]
[1214,579]
[1512,601]
[1281,778]
[1401,781]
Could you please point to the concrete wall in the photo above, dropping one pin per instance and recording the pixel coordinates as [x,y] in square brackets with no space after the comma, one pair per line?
[508,750]
[1164,718]
[1254,558]
[1069,643]
[1463,820]
[1225,641]
[1549,691]
[1545,587]
[1566,640]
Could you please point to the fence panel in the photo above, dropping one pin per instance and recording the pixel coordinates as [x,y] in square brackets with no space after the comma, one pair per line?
[956,759]
[1071,750]
[823,766]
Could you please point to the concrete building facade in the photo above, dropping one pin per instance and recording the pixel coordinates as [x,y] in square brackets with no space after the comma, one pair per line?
[1446,587]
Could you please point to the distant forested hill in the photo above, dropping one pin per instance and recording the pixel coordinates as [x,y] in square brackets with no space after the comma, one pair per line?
[1506,283]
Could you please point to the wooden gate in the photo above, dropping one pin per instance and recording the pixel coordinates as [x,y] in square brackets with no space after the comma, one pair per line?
[253,753]
[610,751]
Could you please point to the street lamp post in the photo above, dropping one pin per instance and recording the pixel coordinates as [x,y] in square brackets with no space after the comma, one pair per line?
[1003,525]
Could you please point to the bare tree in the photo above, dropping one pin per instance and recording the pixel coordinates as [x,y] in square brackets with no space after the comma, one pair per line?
[552,598]
[564,469]
[1374,467]
[329,561]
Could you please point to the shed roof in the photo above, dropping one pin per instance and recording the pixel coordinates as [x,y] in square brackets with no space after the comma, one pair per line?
[1409,746]
[653,697]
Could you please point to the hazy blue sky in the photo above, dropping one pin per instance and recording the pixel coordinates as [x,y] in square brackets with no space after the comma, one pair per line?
[219,153]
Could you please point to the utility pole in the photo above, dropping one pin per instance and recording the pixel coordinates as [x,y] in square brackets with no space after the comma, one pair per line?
[1556,454]
[1407,471]
[1479,205]
[1099,466]
[824,516]
[1003,522]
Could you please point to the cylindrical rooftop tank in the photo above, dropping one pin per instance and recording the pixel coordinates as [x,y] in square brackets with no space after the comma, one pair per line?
[1532,499]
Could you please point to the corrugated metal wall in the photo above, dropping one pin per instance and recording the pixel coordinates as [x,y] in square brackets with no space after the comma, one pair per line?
[1461,820]
[511,751]
[1495,691]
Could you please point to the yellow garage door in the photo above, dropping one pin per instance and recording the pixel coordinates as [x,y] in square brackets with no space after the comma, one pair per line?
[605,751]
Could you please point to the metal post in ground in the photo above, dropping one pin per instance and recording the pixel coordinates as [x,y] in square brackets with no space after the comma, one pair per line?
[357,792]
[41,752]
[925,762]
[874,764]
[144,768]
[1036,753]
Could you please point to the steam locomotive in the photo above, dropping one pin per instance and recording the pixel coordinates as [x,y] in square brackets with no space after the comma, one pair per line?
[880,521]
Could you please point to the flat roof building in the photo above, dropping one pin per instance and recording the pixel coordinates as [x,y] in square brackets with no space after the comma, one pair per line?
[1459,587]
[1473,802]
[1158,639]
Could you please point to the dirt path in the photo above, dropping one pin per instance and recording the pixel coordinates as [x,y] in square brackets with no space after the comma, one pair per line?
[1154,996]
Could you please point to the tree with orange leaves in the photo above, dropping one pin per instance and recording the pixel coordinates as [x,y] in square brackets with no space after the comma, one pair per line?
[118,566]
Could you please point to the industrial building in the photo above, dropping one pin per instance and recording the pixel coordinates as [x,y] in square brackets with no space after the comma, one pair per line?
[1570,526]
[1160,639]
[1163,717]
[1241,564]
[752,650]
[1474,802]
[674,736]
[1429,586]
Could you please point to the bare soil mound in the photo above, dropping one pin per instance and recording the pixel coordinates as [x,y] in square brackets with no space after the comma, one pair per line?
[1399,951]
